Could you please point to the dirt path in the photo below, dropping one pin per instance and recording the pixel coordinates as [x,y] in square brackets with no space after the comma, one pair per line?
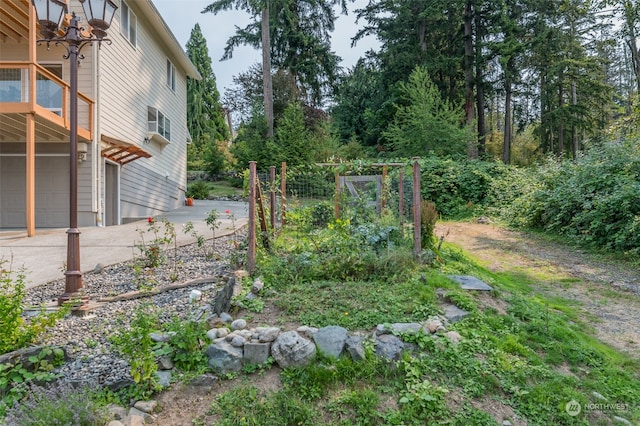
[608,293]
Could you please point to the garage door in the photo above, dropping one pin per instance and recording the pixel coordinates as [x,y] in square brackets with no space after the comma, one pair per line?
[52,192]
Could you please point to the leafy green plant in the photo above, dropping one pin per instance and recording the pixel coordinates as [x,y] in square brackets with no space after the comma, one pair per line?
[17,331]
[15,378]
[198,190]
[188,344]
[134,343]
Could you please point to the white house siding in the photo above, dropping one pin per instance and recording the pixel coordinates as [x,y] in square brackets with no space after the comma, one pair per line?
[132,79]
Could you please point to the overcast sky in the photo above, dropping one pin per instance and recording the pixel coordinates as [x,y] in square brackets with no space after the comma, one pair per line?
[182,15]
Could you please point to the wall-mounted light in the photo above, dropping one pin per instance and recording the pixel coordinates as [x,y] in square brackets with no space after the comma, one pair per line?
[82,151]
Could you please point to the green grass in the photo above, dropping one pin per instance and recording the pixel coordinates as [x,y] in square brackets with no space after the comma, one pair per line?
[223,188]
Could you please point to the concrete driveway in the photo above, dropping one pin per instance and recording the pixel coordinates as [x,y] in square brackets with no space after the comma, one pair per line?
[43,256]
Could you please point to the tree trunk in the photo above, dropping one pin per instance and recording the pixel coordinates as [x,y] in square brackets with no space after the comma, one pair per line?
[480,101]
[506,146]
[266,70]
[631,41]
[574,127]
[472,146]
[560,119]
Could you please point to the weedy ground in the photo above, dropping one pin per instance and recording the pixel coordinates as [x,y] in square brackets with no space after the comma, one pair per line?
[557,330]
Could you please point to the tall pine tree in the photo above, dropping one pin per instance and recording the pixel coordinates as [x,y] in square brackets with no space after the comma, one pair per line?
[205,115]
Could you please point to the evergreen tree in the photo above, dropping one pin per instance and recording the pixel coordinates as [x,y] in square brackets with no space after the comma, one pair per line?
[205,116]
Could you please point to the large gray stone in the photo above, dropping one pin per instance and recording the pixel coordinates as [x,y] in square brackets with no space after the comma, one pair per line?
[269,334]
[355,347]
[224,358]
[330,340]
[222,300]
[454,314]
[256,353]
[164,378]
[292,350]
[469,282]
[405,328]
[389,346]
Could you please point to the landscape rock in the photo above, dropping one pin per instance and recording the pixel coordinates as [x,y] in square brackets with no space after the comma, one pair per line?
[256,353]
[622,420]
[292,350]
[269,334]
[222,332]
[454,336]
[405,328]
[224,358]
[432,325]
[389,346]
[98,269]
[453,313]
[165,363]
[330,340]
[206,379]
[115,423]
[212,334]
[164,378]
[117,412]
[145,417]
[146,406]
[222,299]
[195,296]
[161,337]
[258,285]
[307,331]
[355,347]
[469,282]
[239,324]
[238,341]
[225,317]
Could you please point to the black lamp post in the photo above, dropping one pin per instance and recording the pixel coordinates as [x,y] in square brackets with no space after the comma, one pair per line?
[50,14]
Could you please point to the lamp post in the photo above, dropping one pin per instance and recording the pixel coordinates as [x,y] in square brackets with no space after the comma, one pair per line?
[50,14]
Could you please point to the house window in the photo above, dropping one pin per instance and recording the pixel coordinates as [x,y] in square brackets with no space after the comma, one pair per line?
[49,92]
[158,123]
[171,76]
[128,24]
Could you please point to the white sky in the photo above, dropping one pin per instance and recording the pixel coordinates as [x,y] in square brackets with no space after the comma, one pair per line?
[182,15]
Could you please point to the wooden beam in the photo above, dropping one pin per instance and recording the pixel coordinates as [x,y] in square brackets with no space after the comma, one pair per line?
[31,176]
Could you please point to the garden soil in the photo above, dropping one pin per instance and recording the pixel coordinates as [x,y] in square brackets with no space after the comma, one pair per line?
[606,293]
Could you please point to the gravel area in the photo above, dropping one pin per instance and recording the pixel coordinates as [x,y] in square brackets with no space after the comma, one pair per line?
[93,359]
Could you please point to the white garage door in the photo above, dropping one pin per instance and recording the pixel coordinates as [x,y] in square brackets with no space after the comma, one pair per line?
[52,192]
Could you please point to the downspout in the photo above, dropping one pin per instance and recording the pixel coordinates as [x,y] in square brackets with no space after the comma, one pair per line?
[97,162]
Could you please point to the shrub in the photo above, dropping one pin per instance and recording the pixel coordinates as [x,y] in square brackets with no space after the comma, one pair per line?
[57,404]
[198,190]
[16,331]
[593,200]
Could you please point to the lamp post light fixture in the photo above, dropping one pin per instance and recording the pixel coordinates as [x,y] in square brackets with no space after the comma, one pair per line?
[50,15]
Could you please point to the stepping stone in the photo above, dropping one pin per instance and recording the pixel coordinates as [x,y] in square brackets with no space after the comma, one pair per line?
[454,314]
[468,282]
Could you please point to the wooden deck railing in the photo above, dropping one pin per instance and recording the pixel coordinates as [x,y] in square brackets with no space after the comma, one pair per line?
[26,87]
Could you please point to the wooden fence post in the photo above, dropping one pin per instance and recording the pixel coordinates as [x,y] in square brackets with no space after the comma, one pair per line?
[283,191]
[383,201]
[401,195]
[336,207]
[417,238]
[272,196]
[251,250]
